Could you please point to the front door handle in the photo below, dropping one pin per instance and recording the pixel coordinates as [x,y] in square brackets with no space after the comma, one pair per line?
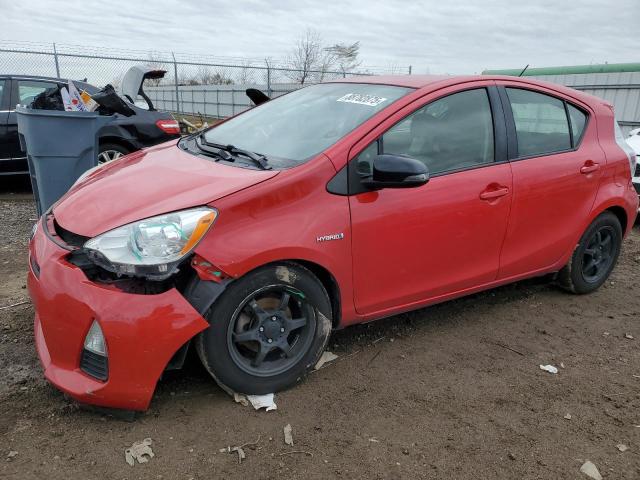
[492,193]
[589,167]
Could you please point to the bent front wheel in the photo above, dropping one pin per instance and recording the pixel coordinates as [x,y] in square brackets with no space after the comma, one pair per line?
[267,330]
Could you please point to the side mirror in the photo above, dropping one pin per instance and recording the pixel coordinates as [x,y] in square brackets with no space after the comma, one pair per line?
[396,171]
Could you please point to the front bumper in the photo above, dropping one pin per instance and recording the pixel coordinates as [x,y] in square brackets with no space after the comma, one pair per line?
[142,332]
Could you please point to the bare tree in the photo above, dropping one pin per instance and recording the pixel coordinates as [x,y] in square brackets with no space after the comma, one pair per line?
[306,57]
[345,56]
[311,61]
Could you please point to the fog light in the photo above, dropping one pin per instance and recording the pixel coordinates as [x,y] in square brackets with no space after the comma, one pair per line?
[93,360]
[94,341]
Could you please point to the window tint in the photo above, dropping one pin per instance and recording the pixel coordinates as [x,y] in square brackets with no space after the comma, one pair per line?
[1,91]
[541,122]
[451,133]
[29,89]
[578,121]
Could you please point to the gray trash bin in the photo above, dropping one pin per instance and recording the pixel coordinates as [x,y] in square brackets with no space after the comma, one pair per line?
[60,146]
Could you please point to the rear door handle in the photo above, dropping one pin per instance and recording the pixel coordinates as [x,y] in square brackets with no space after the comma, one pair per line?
[493,193]
[589,167]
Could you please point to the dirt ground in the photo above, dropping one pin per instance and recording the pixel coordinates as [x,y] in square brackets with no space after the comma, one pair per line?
[450,392]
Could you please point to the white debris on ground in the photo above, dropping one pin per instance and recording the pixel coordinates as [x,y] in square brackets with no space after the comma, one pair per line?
[590,470]
[288,435]
[140,451]
[568,416]
[549,368]
[325,358]
[622,447]
[628,336]
[263,401]
[266,401]
[12,454]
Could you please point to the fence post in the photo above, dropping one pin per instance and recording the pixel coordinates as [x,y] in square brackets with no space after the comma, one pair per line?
[55,59]
[409,69]
[175,77]
[268,78]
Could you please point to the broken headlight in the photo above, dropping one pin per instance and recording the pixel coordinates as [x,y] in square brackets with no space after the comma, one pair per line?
[152,247]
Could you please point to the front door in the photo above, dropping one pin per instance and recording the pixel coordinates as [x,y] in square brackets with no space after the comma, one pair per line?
[417,244]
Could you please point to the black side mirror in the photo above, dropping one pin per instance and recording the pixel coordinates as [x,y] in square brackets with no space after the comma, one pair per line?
[396,171]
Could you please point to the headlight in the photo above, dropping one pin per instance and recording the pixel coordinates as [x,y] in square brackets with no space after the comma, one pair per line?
[152,247]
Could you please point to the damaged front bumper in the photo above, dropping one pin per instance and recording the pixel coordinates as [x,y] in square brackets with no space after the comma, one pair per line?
[142,331]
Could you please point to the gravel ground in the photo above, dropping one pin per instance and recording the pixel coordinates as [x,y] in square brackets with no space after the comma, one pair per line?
[450,392]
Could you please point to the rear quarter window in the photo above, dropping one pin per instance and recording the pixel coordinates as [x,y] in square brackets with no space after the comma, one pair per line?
[578,122]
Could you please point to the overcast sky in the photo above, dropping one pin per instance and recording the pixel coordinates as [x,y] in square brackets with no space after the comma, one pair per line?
[435,36]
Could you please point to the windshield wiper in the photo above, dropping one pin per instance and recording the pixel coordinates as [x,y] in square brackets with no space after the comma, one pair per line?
[259,160]
[221,154]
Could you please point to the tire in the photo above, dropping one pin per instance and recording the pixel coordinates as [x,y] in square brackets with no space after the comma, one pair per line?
[577,276]
[255,302]
[108,152]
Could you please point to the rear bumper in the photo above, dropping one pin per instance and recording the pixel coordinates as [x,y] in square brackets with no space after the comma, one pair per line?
[142,332]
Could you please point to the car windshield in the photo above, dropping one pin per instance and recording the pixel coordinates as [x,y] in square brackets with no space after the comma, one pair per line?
[294,127]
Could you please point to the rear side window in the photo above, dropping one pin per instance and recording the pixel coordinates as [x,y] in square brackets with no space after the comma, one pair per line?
[578,121]
[541,123]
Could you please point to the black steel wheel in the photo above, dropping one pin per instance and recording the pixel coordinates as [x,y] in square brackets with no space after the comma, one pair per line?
[594,257]
[271,330]
[599,254]
[267,330]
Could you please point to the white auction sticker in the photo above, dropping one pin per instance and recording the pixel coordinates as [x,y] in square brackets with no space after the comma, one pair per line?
[361,99]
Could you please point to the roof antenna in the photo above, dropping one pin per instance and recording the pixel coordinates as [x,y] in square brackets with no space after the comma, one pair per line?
[524,70]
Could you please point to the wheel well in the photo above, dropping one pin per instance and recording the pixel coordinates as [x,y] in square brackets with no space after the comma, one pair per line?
[330,285]
[118,141]
[622,216]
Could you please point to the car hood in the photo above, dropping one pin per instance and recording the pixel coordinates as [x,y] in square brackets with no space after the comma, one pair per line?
[146,183]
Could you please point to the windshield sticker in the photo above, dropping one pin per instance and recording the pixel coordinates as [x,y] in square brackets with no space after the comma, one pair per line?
[362,99]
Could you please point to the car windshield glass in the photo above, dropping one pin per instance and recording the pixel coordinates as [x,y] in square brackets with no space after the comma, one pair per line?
[293,128]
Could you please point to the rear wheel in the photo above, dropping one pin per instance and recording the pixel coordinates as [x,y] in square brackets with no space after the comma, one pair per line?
[595,256]
[267,330]
[111,151]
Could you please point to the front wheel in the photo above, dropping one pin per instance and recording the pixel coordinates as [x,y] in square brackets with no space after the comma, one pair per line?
[267,330]
[594,257]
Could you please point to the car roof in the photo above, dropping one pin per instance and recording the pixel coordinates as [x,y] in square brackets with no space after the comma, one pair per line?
[411,81]
[428,81]
[33,77]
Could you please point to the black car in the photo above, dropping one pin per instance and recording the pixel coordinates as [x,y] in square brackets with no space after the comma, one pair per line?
[124,135]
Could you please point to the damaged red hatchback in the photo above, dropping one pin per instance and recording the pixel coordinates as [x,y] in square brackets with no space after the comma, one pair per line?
[335,204]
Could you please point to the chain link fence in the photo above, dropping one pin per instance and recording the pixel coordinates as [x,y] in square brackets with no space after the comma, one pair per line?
[194,84]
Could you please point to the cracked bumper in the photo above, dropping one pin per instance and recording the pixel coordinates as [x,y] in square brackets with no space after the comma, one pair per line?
[142,332]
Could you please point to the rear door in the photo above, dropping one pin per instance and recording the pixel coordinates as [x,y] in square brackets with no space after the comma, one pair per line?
[557,164]
[415,244]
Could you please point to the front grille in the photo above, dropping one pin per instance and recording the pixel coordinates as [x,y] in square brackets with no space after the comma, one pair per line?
[637,173]
[95,365]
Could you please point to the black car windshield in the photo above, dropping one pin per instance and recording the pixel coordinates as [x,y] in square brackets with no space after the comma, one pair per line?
[294,127]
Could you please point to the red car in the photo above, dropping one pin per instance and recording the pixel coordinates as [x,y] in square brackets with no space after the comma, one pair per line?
[336,204]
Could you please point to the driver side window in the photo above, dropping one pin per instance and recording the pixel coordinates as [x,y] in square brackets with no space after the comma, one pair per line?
[451,133]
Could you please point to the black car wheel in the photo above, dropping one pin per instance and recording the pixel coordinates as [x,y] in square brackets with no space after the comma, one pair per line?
[267,330]
[111,151]
[595,256]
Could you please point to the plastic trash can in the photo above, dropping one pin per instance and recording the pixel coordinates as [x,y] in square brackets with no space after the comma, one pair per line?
[60,146]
